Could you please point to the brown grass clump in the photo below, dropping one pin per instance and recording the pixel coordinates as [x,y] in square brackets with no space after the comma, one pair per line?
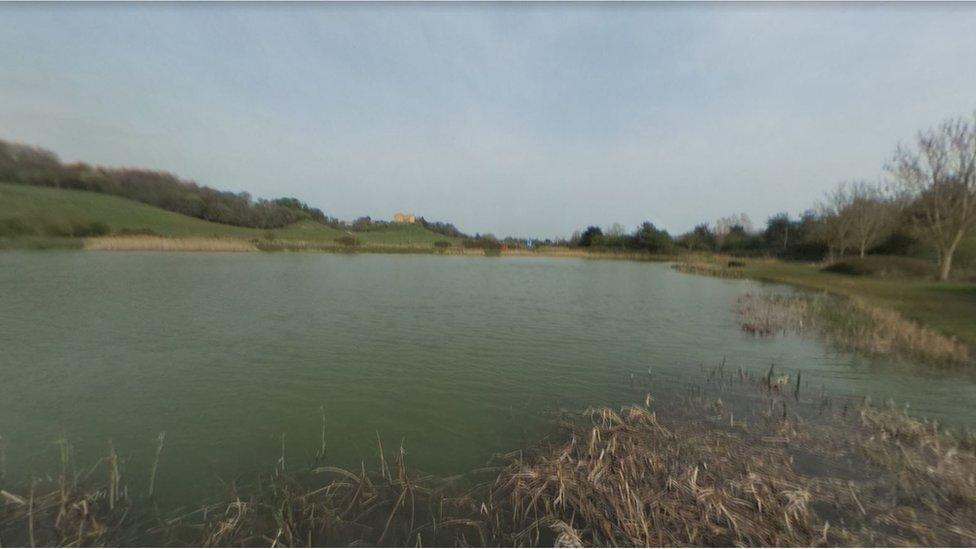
[72,510]
[850,323]
[633,481]
[773,472]
[166,244]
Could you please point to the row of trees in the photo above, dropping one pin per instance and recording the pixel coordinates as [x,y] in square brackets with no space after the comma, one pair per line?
[930,196]
[927,201]
[645,237]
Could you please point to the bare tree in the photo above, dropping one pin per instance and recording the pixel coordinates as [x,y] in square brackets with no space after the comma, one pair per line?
[724,226]
[871,215]
[836,222]
[939,175]
[616,230]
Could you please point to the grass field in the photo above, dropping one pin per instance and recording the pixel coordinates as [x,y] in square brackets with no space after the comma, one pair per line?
[42,209]
[947,307]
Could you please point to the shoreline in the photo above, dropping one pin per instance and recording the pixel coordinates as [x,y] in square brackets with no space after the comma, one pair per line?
[204,244]
[740,460]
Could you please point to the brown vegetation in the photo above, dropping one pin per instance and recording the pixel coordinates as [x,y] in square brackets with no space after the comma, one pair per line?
[165,244]
[852,324]
[720,267]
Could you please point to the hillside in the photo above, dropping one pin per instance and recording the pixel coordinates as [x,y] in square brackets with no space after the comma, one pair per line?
[27,211]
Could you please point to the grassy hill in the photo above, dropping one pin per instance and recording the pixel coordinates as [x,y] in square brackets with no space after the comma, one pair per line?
[35,212]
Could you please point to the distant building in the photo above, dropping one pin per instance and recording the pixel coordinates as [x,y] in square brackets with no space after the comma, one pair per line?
[404,218]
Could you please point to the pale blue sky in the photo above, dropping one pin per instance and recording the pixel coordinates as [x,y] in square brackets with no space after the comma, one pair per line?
[513,119]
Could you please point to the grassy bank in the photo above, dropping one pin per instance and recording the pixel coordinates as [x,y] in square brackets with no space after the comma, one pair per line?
[852,324]
[948,308]
[740,463]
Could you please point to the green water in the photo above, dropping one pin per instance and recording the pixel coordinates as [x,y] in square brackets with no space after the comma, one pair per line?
[457,357]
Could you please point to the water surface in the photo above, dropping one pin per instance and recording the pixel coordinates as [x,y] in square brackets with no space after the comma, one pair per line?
[457,357]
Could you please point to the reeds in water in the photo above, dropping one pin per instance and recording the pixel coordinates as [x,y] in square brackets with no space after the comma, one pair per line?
[704,267]
[738,464]
[852,324]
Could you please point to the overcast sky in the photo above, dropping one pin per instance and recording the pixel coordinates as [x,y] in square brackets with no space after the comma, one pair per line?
[513,119]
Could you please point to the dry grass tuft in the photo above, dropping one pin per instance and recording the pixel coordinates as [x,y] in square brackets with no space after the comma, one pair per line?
[71,510]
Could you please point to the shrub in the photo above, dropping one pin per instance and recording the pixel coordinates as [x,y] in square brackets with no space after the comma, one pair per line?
[77,229]
[14,226]
[442,244]
[95,228]
[136,232]
[347,240]
[883,266]
[53,228]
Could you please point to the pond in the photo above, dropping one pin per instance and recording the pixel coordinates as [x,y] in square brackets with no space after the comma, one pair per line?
[237,357]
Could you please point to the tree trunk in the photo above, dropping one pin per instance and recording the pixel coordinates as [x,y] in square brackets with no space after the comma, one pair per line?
[862,250]
[945,265]
[945,258]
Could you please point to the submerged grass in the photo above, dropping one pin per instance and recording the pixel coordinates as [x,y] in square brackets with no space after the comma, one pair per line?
[852,324]
[750,464]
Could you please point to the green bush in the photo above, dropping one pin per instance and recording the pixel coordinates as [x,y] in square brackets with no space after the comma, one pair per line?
[136,232]
[347,240]
[884,266]
[14,226]
[77,229]
[95,228]
[442,244]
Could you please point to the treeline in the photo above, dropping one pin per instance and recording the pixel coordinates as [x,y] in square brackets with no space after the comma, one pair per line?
[366,224]
[926,205]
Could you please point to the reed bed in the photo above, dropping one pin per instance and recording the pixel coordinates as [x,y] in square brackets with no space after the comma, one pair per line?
[167,244]
[852,324]
[742,461]
[724,269]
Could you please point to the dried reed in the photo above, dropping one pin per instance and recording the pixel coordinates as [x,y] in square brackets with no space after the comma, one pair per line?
[850,323]
[168,244]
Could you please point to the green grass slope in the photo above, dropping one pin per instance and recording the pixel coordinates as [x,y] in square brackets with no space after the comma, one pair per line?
[45,211]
